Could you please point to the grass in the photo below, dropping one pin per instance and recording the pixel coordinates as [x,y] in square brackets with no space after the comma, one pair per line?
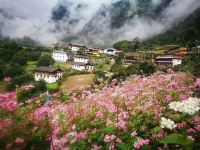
[157,49]
[52,86]
[31,66]
[2,86]
[77,82]
[103,67]
[63,66]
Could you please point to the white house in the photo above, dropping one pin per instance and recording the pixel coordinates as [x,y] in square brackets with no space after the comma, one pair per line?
[81,63]
[82,67]
[168,60]
[110,51]
[176,61]
[75,48]
[81,59]
[48,74]
[60,55]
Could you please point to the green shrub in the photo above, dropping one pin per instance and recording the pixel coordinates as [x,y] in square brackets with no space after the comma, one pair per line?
[19,80]
[52,87]
[41,86]
[64,97]
[146,68]
[45,60]
[14,70]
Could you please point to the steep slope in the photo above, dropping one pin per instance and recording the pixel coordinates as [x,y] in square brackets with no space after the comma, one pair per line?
[183,32]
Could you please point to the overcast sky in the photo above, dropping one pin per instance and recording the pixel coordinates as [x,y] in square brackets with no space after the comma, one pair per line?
[33,18]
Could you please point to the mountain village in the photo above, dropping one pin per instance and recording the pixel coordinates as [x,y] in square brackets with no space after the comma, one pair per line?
[79,58]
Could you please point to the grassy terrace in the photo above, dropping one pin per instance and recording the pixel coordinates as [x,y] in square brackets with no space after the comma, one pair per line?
[63,66]
[157,49]
[77,82]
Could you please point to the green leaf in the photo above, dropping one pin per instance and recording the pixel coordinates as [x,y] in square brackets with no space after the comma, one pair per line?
[178,139]
[108,130]
[149,113]
[123,146]
[156,129]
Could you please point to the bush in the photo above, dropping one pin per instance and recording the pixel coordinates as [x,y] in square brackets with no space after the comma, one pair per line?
[100,74]
[117,68]
[126,46]
[191,64]
[41,86]
[132,69]
[52,87]
[19,80]
[146,68]
[64,97]
[14,70]
[2,69]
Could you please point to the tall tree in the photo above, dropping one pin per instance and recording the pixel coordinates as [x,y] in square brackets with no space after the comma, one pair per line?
[45,60]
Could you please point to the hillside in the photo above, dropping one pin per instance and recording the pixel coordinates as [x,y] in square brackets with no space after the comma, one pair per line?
[183,32]
[113,18]
[97,24]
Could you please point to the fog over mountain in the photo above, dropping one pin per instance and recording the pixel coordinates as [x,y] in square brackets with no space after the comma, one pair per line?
[92,22]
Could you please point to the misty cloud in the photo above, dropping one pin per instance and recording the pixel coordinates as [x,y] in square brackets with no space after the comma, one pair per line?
[145,28]
[33,18]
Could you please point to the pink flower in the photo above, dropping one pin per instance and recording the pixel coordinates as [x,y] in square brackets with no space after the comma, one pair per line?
[197,83]
[190,130]
[94,130]
[40,113]
[181,125]
[27,87]
[118,140]
[8,101]
[112,146]
[81,135]
[111,108]
[197,128]
[74,127]
[96,147]
[108,122]
[109,138]
[7,79]
[190,138]
[8,146]
[134,133]
[19,140]
[184,97]
[141,142]
[99,115]
[4,123]
[123,115]
[11,106]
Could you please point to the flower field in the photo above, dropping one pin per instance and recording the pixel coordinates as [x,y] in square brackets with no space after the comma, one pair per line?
[158,112]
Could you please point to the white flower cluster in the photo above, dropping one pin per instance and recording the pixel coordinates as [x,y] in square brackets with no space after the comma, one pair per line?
[190,106]
[167,123]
